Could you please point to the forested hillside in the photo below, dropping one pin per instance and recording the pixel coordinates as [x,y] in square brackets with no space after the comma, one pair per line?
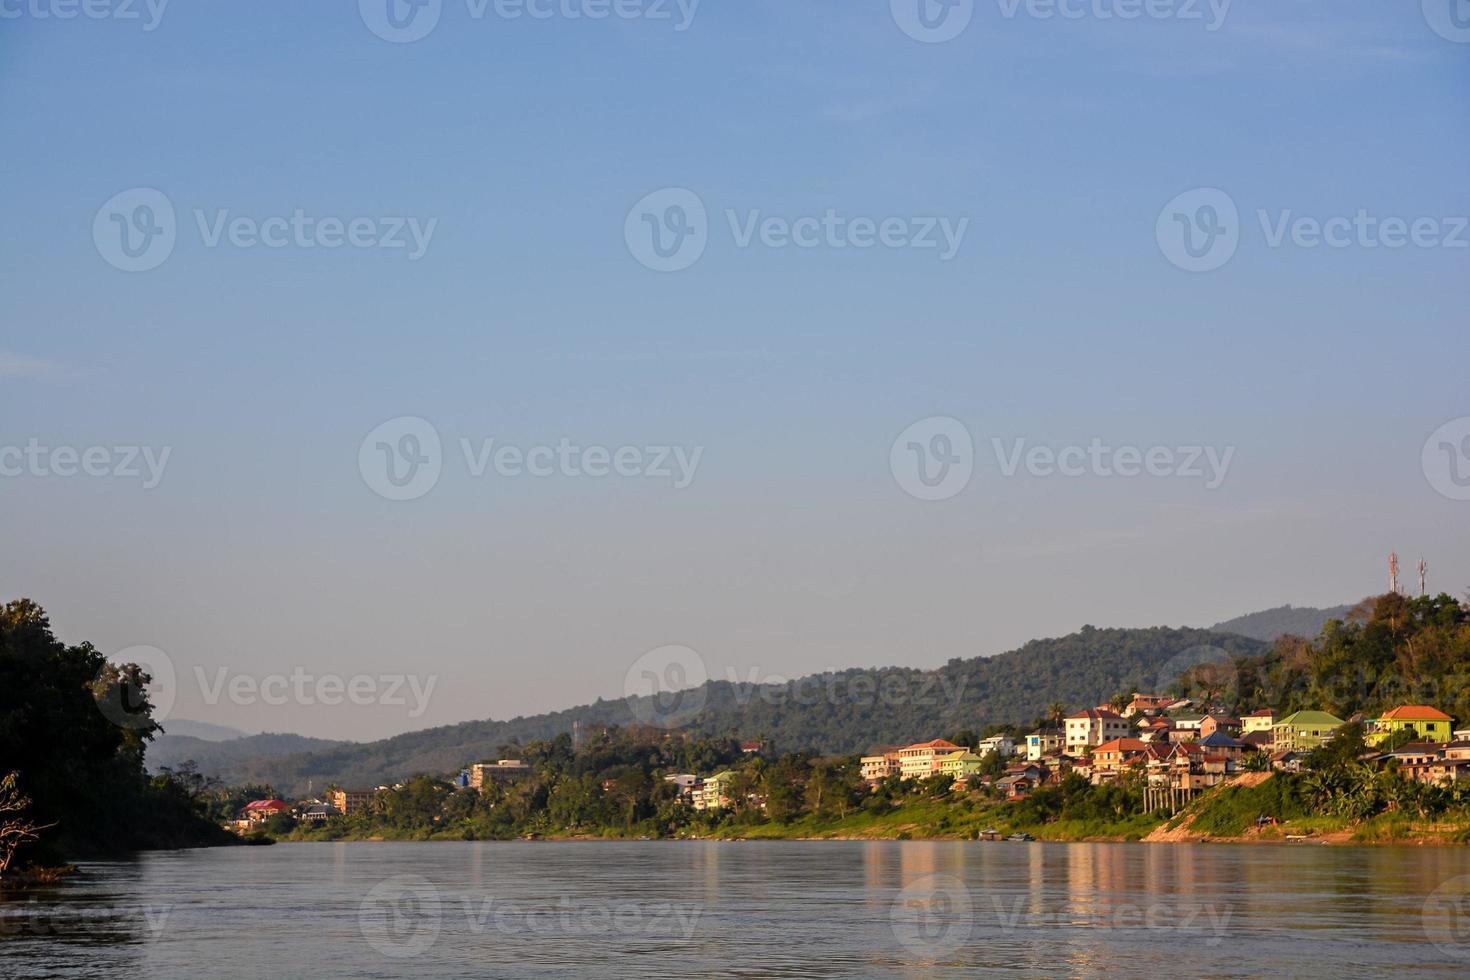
[211,755]
[841,712]
[1269,624]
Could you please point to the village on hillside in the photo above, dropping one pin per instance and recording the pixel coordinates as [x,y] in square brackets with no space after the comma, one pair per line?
[1180,747]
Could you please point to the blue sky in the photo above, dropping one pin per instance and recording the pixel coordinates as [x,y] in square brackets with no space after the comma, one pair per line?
[528,320]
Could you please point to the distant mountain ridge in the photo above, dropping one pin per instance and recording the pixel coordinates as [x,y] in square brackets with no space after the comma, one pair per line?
[838,712]
[214,757]
[1268,624]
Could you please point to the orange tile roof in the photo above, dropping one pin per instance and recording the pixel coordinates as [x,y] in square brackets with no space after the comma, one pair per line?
[1122,745]
[1415,712]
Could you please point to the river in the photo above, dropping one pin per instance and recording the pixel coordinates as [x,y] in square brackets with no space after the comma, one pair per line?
[754,909]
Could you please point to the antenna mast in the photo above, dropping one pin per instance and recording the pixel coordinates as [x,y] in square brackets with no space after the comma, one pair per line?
[1422,591]
[1393,571]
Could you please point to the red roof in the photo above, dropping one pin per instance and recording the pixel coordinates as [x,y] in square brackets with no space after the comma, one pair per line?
[1094,714]
[1415,712]
[275,806]
[937,743]
[1121,745]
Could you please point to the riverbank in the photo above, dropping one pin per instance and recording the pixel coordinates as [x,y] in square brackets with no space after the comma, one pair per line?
[1254,809]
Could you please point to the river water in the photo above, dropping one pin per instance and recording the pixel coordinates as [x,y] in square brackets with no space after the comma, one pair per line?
[752,909]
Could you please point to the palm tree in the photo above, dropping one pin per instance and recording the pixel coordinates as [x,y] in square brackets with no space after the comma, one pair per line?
[1057,711]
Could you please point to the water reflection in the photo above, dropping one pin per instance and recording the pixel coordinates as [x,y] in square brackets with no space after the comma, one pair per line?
[750,909]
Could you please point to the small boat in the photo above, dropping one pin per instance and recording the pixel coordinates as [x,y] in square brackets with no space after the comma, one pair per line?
[989,833]
[1021,837]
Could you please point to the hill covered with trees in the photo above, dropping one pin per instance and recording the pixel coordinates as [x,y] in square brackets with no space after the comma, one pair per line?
[1268,625]
[841,712]
[1391,650]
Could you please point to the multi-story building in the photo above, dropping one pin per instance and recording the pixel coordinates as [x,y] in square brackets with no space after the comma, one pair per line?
[1001,745]
[1091,728]
[1044,742]
[963,766]
[922,759]
[1426,723]
[878,767]
[1119,753]
[1258,721]
[713,793]
[1303,730]
[502,770]
[349,801]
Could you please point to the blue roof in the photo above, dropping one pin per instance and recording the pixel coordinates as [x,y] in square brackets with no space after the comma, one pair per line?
[1219,740]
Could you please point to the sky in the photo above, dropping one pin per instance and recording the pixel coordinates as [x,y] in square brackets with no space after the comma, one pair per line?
[472,360]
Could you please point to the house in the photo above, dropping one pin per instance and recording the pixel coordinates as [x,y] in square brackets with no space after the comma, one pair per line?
[1258,740]
[922,759]
[1014,787]
[1424,722]
[963,766]
[259,811]
[1147,704]
[1258,721]
[1001,745]
[349,801]
[1044,742]
[315,812]
[684,784]
[713,792]
[1118,754]
[1093,727]
[1288,760]
[1218,743]
[1452,765]
[879,766]
[1304,730]
[501,771]
[1186,726]
[749,748]
[1156,730]
[1213,723]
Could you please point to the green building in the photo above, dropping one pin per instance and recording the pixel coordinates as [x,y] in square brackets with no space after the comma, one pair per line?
[1304,730]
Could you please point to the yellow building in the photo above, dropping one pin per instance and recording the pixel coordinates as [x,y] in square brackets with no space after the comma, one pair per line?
[1258,721]
[1427,724]
[961,765]
[922,759]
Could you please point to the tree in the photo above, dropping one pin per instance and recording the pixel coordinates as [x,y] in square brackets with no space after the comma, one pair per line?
[16,827]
